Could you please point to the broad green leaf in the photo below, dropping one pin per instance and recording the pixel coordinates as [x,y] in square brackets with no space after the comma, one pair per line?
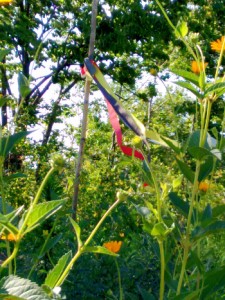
[215,87]
[218,210]
[160,230]
[189,76]
[213,228]
[43,211]
[98,249]
[189,87]
[14,176]
[77,230]
[23,84]
[207,213]
[154,137]
[22,288]
[3,53]
[181,29]
[54,274]
[213,281]
[199,153]
[181,205]
[194,140]
[205,168]
[185,170]
[174,145]
[8,142]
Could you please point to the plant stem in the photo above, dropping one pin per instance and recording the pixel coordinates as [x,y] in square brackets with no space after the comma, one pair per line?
[82,249]
[162,270]
[119,279]
[36,199]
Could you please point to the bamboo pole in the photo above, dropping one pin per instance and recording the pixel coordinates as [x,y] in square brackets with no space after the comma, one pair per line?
[85,113]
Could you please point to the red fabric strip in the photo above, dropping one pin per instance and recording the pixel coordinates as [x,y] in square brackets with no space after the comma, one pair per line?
[119,137]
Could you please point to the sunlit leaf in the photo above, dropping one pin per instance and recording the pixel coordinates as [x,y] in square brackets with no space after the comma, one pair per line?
[77,230]
[54,274]
[189,76]
[42,211]
[189,87]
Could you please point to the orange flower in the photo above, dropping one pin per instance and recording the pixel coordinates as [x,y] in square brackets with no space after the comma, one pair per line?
[198,67]
[5,2]
[9,237]
[113,246]
[218,44]
[203,186]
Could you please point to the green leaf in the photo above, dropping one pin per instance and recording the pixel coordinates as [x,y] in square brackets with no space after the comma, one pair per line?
[160,230]
[43,211]
[77,231]
[4,221]
[8,142]
[213,228]
[23,84]
[199,153]
[213,281]
[54,274]
[189,87]
[23,288]
[147,173]
[194,140]
[215,87]
[172,144]
[218,210]
[14,176]
[181,29]
[154,137]
[207,213]
[205,168]
[98,249]
[3,53]
[185,170]
[181,205]
[189,76]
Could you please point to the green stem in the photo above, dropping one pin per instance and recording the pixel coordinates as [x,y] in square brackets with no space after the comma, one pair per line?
[82,249]
[23,227]
[119,279]
[12,256]
[162,271]
[36,199]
